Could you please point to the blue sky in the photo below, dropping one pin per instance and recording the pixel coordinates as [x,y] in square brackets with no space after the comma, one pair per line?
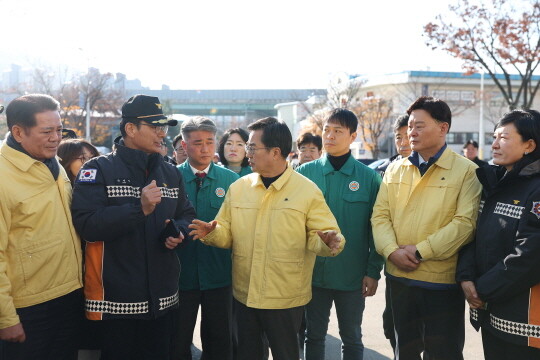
[223,44]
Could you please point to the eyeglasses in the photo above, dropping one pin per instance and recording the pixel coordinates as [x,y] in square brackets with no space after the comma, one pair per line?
[84,158]
[164,128]
[250,149]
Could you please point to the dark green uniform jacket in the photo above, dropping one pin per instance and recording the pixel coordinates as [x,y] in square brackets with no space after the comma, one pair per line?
[350,193]
[205,267]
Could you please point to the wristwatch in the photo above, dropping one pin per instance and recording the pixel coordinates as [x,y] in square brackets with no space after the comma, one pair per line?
[418,256]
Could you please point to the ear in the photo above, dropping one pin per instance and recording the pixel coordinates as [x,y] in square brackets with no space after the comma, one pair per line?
[276,152]
[131,129]
[531,146]
[17,132]
[184,145]
[445,127]
[353,136]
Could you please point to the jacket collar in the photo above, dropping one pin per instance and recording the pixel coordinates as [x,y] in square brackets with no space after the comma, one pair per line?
[19,159]
[278,184]
[135,158]
[445,160]
[493,177]
[190,176]
[347,168]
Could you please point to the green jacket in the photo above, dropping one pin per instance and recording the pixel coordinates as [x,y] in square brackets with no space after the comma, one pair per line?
[350,193]
[205,267]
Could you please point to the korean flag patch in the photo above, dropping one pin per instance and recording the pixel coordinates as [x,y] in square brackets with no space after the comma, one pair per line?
[87,176]
[536,208]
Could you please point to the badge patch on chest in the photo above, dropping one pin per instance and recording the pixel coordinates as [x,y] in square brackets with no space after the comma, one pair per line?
[122,181]
[354,186]
[87,176]
[536,209]
[220,192]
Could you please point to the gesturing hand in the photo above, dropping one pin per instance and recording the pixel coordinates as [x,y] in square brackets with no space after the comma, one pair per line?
[331,240]
[404,260]
[150,197]
[201,228]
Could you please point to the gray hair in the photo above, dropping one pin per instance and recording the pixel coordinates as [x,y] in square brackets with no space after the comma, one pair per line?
[197,123]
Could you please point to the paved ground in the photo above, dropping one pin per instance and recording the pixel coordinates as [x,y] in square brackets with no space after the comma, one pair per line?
[377,347]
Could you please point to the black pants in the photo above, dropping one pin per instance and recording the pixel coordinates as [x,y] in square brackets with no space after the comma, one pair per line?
[137,339]
[497,349]
[280,326]
[216,314]
[430,320]
[52,330]
[387,318]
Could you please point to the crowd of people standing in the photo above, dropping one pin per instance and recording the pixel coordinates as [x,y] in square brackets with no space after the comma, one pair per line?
[119,252]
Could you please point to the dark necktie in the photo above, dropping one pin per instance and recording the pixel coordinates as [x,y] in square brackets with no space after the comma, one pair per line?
[200,177]
[423,168]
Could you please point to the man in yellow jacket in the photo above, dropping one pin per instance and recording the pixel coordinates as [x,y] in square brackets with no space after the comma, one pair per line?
[425,212]
[276,221]
[40,252]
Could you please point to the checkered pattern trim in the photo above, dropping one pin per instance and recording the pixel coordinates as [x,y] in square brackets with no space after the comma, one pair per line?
[512,211]
[515,328]
[168,301]
[110,307]
[123,191]
[170,193]
[474,314]
[481,207]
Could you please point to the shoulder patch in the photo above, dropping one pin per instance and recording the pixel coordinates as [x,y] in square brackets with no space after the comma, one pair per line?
[536,208]
[87,176]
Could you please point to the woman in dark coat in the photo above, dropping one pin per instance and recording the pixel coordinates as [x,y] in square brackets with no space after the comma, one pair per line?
[499,271]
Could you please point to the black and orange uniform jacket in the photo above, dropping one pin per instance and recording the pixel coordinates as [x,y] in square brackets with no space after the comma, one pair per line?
[129,273]
[504,259]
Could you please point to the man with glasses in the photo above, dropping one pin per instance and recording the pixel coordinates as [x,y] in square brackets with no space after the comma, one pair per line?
[179,153]
[276,222]
[122,202]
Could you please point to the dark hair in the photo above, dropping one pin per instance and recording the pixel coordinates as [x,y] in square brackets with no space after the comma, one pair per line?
[345,118]
[226,135]
[470,142]
[70,150]
[275,133]
[527,123]
[437,108]
[309,138]
[23,109]
[400,122]
[176,139]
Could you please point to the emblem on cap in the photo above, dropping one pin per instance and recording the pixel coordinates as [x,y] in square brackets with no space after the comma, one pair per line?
[536,208]
[220,192]
[354,186]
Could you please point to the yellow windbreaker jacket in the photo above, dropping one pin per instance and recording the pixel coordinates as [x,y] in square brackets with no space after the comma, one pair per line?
[273,236]
[40,252]
[436,212]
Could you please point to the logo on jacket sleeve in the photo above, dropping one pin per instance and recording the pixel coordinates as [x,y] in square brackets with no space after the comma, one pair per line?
[536,208]
[87,176]
[354,186]
[220,192]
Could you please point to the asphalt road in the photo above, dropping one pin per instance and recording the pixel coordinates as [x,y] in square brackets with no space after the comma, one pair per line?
[376,345]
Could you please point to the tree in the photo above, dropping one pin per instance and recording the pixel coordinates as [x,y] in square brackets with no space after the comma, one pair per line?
[498,37]
[104,101]
[373,112]
[373,118]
